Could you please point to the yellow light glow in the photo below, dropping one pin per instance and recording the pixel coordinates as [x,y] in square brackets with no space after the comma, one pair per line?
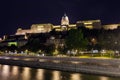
[12,43]
[58,29]
[75,62]
[6,71]
[40,74]
[90,27]
[26,74]
[15,58]
[57,26]
[87,23]
[55,61]
[55,52]
[15,70]
[103,78]
[84,57]
[76,76]
[56,75]
[72,25]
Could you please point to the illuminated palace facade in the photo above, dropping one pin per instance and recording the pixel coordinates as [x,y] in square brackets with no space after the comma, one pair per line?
[65,25]
[45,28]
[21,34]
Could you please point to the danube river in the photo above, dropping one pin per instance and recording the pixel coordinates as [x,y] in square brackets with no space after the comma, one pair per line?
[8,72]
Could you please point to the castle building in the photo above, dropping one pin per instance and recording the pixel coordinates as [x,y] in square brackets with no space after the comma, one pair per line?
[110,26]
[35,28]
[22,35]
[21,31]
[41,28]
[45,28]
[91,24]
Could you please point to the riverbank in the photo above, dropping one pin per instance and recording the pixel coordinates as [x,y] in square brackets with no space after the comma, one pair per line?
[106,67]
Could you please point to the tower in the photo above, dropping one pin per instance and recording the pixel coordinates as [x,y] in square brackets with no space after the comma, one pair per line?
[64,22]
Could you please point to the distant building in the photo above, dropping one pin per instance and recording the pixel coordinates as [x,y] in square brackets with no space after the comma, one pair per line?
[45,28]
[72,26]
[16,40]
[57,27]
[41,28]
[110,26]
[35,28]
[21,31]
[91,24]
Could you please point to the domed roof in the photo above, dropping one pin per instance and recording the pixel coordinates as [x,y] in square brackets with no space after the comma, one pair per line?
[65,20]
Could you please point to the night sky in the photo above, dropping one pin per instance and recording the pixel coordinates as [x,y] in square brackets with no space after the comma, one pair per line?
[24,13]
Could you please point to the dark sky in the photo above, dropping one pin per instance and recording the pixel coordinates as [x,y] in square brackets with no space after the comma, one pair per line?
[24,13]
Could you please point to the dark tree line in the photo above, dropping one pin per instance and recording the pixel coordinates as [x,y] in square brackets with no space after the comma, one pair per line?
[110,39]
[76,40]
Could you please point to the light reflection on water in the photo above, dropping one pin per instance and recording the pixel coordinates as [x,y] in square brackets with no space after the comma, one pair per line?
[24,73]
[14,72]
[104,78]
[76,76]
[5,72]
[56,75]
[40,74]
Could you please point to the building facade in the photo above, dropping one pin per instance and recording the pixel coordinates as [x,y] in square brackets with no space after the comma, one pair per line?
[35,28]
[41,28]
[91,24]
[110,26]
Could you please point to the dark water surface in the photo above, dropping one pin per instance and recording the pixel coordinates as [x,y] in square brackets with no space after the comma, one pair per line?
[8,72]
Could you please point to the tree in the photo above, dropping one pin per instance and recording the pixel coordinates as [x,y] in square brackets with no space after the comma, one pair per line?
[110,39]
[76,40]
[49,49]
